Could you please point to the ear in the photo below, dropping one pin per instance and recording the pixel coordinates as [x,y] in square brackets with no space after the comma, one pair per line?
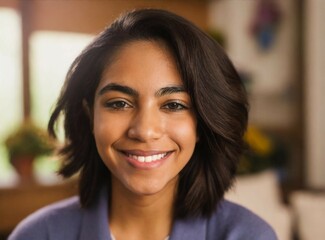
[88,112]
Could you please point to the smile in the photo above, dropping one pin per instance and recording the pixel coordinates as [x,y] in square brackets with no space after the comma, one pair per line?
[148,159]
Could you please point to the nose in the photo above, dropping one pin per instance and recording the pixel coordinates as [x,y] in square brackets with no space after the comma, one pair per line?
[146,125]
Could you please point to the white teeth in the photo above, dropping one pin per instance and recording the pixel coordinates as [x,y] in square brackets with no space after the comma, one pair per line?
[148,158]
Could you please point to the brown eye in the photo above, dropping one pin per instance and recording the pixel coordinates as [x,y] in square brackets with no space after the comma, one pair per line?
[174,106]
[117,105]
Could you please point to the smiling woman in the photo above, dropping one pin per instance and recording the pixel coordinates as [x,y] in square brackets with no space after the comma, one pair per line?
[154,115]
[146,116]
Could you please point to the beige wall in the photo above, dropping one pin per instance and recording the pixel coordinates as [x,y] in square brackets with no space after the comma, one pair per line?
[315,92]
[274,95]
[272,71]
[90,16]
[276,70]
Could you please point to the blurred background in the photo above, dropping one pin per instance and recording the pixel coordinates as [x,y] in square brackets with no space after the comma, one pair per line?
[277,47]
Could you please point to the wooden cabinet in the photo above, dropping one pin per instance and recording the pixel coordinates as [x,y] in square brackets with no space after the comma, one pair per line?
[17,203]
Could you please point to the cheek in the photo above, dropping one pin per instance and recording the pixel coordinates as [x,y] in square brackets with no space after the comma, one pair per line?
[100,127]
[105,135]
[102,140]
[104,131]
[185,134]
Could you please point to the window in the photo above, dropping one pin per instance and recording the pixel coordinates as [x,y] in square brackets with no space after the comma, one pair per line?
[51,54]
[11,111]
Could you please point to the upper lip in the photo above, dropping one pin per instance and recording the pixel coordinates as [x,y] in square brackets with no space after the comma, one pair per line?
[143,153]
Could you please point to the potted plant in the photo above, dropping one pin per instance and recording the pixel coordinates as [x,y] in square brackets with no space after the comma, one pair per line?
[264,151]
[25,144]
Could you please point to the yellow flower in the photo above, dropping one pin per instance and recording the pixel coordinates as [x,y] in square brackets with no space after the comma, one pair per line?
[258,141]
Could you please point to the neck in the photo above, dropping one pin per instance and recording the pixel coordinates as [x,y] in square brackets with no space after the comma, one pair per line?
[134,216]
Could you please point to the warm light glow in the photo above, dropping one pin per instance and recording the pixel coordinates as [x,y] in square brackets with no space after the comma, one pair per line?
[10,84]
[51,54]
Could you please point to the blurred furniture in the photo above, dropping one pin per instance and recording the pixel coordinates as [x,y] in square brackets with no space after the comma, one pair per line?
[261,194]
[309,213]
[18,202]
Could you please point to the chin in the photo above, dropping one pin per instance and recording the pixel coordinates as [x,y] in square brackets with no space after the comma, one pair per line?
[151,187]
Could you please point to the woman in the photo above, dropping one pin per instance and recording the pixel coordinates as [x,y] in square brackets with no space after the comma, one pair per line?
[154,115]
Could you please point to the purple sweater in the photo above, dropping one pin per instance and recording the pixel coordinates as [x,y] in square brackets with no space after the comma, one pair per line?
[66,220]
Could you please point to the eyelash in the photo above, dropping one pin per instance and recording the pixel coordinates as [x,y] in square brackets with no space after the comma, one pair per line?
[170,106]
[174,106]
[114,105]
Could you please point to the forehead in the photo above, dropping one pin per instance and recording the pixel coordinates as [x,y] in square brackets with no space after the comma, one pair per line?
[142,63]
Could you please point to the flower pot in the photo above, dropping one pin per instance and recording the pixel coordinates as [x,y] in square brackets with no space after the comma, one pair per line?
[24,168]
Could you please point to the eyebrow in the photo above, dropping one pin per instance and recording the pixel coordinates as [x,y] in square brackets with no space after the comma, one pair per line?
[130,91]
[119,88]
[169,90]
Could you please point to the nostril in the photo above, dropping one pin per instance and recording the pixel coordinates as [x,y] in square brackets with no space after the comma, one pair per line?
[146,125]
[144,134]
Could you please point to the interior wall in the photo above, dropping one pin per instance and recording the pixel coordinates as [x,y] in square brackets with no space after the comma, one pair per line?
[274,78]
[314,90]
[11,4]
[272,71]
[92,16]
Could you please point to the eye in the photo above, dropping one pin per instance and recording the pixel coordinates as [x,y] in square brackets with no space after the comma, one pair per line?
[174,106]
[117,105]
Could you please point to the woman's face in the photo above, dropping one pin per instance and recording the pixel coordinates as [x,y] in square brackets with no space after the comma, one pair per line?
[144,123]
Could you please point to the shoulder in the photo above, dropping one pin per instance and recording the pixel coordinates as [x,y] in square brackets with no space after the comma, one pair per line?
[44,223]
[232,221]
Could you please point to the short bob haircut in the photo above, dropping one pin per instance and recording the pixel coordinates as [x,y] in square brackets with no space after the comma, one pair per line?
[215,89]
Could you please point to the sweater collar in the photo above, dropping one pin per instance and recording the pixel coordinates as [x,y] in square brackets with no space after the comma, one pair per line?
[191,228]
[95,223]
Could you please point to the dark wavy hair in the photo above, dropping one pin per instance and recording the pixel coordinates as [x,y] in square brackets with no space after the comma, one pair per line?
[216,91]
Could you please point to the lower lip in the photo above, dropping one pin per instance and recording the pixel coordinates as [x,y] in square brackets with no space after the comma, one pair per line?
[147,165]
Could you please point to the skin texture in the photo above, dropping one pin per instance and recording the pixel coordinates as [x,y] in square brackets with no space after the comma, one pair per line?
[141,109]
